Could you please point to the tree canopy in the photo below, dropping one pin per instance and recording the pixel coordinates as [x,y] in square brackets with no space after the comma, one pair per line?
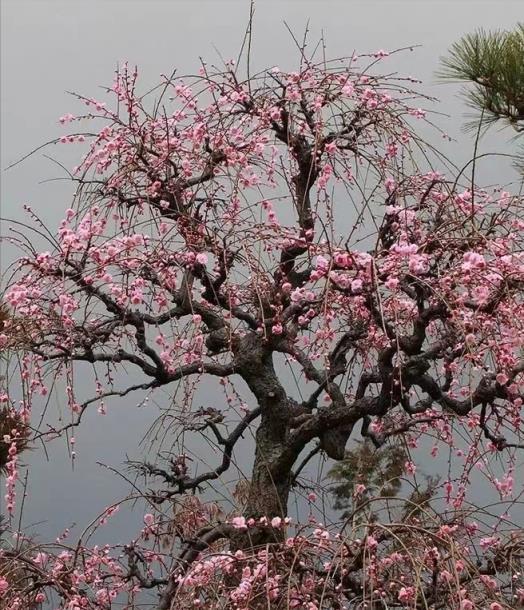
[241,232]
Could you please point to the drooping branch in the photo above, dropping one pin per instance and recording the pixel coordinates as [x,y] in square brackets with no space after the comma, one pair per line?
[182,483]
[202,541]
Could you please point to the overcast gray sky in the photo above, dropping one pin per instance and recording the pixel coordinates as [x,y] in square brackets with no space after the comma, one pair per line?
[51,47]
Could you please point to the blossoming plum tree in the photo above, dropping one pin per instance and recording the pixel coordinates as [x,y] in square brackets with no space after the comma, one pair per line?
[235,233]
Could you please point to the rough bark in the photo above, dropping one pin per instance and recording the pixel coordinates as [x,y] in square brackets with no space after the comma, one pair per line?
[269,490]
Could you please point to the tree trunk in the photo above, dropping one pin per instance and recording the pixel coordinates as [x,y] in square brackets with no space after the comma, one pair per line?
[268,491]
[267,497]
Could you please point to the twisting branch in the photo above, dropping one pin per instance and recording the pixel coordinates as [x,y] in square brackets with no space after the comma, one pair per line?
[182,483]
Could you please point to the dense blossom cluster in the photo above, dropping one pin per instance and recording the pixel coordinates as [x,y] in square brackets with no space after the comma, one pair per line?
[231,221]
[409,564]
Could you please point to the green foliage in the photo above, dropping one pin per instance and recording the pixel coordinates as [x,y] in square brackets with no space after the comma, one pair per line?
[493,64]
[379,470]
